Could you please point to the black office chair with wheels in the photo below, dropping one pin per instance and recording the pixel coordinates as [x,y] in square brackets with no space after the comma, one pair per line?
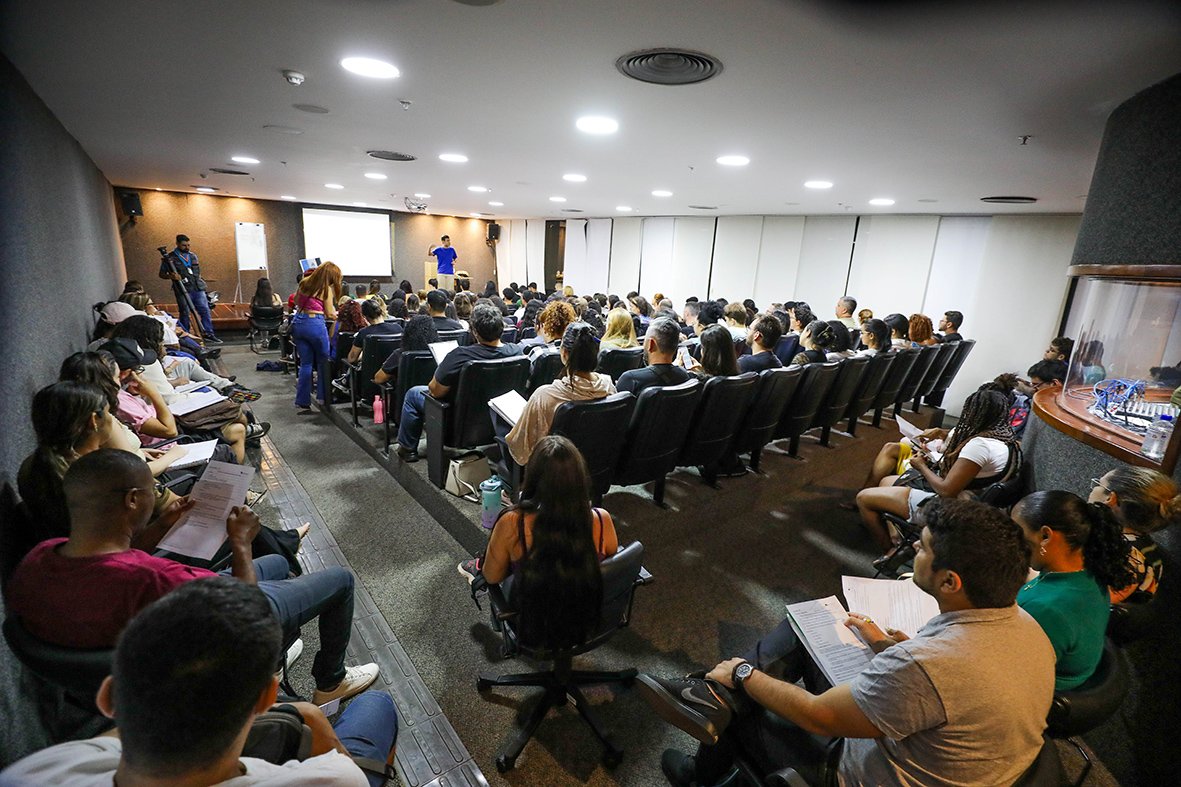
[931,378]
[914,376]
[963,350]
[658,427]
[867,390]
[614,363]
[809,396]
[723,404]
[373,354]
[1081,710]
[264,321]
[546,369]
[904,361]
[463,422]
[415,367]
[762,417]
[832,409]
[622,574]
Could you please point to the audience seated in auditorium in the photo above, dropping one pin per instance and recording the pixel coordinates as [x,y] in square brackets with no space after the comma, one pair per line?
[815,339]
[552,322]
[639,306]
[920,330]
[167,370]
[875,337]
[1144,501]
[949,327]
[419,334]
[82,591]
[176,339]
[436,303]
[373,309]
[899,330]
[1081,556]
[864,316]
[487,327]
[1041,375]
[717,354]
[190,674]
[1059,350]
[765,333]
[979,451]
[414,305]
[962,701]
[660,350]
[842,345]
[689,317]
[844,312]
[264,294]
[349,317]
[578,382]
[801,316]
[620,333]
[735,316]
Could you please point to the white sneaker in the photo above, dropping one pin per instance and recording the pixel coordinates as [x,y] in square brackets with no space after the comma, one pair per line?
[293,654]
[356,680]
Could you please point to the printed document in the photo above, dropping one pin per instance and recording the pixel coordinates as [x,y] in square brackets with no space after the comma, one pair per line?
[194,402]
[836,648]
[195,454]
[440,349]
[897,603]
[201,531]
[190,387]
[509,406]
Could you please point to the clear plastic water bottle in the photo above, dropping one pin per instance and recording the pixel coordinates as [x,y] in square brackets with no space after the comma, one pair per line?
[1156,439]
[490,505]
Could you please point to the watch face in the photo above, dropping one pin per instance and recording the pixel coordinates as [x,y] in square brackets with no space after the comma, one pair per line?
[743,671]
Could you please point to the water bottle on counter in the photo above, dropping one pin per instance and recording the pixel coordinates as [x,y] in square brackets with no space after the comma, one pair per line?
[1156,439]
[490,503]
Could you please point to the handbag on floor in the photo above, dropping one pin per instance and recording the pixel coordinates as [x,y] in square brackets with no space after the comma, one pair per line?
[279,736]
[465,474]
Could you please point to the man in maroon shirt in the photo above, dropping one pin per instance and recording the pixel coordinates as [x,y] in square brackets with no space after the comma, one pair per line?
[81,592]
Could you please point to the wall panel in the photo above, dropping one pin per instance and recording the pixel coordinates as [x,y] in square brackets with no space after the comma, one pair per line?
[598,254]
[574,270]
[625,256]
[535,252]
[689,273]
[656,255]
[891,262]
[736,257]
[779,259]
[824,262]
[956,265]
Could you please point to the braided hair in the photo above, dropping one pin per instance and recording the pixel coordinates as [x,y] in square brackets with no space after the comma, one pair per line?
[985,414]
[1090,527]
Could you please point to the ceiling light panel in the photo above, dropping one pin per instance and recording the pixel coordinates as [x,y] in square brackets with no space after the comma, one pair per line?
[662,193]
[376,175]
[333,186]
[453,158]
[817,184]
[733,161]
[597,124]
[573,177]
[370,67]
[881,202]
[244,160]
[477,189]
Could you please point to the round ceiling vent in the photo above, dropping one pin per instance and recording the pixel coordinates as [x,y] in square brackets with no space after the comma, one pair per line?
[669,66]
[224,171]
[390,155]
[1010,200]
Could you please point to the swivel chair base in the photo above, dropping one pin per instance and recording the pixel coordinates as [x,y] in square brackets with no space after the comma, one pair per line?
[561,685]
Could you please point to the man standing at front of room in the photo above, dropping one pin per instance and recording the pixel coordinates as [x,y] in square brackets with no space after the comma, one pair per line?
[446,257]
[181,265]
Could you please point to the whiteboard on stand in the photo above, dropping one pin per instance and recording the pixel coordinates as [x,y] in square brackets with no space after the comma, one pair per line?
[252,246]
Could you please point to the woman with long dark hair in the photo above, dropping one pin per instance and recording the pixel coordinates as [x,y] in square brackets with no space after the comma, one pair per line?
[1081,554]
[1144,502]
[718,358]
[315,305]
[875,337]
[899,330]
[264,294]
[551,544]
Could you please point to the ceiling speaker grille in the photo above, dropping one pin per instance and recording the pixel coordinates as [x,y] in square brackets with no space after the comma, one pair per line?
[389,155]
[669,66]
[1010,200]
[224,171]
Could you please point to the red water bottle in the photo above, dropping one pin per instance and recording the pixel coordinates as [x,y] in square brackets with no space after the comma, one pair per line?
[378,410]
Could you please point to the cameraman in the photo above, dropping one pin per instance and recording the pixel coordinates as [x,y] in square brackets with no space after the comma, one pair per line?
[181,265]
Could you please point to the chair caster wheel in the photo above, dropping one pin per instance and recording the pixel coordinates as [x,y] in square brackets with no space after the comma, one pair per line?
[483,685]
[504,763]
[611,759]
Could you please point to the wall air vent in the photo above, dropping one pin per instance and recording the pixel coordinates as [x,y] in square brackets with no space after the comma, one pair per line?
[669,66]
[573,210]
[224,171]
[1010,200]
[704,207]
[312,108]
[389,155]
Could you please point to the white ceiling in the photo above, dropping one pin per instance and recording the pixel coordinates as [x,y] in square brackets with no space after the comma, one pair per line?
[917,101]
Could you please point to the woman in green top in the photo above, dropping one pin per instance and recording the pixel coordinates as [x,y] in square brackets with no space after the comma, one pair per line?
[1080,552]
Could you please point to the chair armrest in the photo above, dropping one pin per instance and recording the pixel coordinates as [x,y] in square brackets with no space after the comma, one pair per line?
[435,418]
[786,777]
[645,577]
[184,479]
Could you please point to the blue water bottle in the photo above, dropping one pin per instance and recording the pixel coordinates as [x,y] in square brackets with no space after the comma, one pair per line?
[490,505]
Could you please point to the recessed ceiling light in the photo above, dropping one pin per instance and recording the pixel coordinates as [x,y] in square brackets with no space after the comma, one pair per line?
[475,215]
[661,193]
[287,197]
[477,189]
[421,195]
[881,201]
[205,189]
[818,184]
[244,160]
[597,124]
[733,161]
[557,199]
[572,177]
[496,204]
[454,158]
[360,204]
[369,67]
[333,186]
[623,208]
[376,175]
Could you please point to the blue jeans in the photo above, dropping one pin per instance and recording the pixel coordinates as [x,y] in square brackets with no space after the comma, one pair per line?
[413,407]
[368,727]
[326,595]
[311,338]
[201,304]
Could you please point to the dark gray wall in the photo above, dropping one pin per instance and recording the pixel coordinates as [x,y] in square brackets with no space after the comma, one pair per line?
[59,254]
[1133,211]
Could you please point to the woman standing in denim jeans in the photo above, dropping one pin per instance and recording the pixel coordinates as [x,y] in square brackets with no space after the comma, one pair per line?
[315,304]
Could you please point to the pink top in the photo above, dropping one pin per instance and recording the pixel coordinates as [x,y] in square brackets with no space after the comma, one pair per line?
[307,303]
[134,411]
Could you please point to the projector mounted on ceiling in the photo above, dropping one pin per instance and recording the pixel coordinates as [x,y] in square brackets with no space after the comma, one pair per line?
[415,205]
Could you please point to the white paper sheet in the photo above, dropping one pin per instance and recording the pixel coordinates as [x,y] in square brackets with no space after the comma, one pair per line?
[509,405]
[202,530]
[897,603]
[189,387]
[440,349]
[909,430]
[193,402]
[836,649]
[195,454]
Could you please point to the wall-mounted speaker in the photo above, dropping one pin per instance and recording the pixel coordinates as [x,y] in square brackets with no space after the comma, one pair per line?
[130,203]
[493,231]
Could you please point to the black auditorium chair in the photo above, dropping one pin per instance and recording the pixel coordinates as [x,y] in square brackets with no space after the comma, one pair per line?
[589,425]
[415,367]
[888,393]
[931,378]
[343,343]
[623,572]
[463,421]
[264,321]
[867,391]
[1078,711]
[833,408]
[527,333]
[655,435]
[915,376]
[508,336]
[614,363]
[373,354]
[786,348]
[723,404]
[546,369]
[809,396]
[457,335]
[963,349]
[776,388]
